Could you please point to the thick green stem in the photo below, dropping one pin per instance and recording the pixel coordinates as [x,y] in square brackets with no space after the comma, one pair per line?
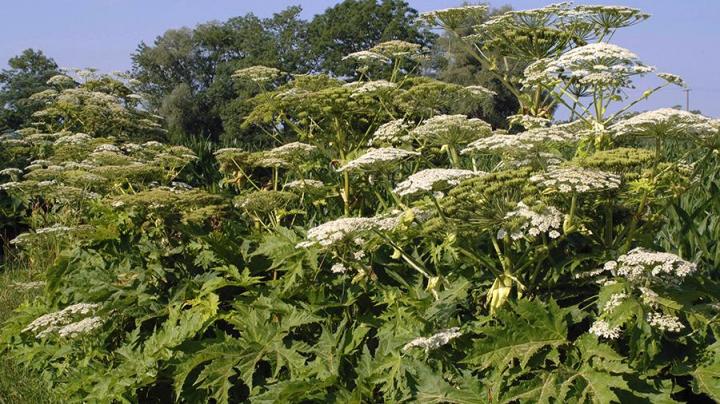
[454,157]
[608,224]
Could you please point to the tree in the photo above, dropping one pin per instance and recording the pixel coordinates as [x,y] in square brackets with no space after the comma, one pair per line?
[187,72]
[28,74]
[452,63]
[356,25]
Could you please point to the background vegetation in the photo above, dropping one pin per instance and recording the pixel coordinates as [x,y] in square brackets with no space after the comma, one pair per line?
[371,206]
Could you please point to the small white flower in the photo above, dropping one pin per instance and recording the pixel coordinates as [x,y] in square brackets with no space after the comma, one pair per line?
[435,341]
[433,179]
[602,329]
[639,264]
[378,159]
[666,122]
[258,74]
[338,268]
[576,179]
[614,301]
[664,322]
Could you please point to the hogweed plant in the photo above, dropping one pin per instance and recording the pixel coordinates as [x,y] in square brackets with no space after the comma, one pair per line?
[384,246]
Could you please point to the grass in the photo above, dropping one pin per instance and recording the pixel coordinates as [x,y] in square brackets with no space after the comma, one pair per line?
[18,386]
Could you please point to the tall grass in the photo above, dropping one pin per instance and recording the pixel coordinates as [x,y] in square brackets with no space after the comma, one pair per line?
[17,385]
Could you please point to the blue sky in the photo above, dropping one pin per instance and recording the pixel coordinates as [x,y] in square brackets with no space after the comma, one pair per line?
[680,37]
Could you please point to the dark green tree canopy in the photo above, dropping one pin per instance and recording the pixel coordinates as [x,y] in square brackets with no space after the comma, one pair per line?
[186,72]
[356,25]
[27,74]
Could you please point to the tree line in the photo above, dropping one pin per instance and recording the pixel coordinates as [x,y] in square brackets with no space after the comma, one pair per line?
[185,74]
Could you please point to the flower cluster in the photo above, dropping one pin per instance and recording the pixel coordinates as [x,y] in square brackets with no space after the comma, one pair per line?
[450,130]
[378,159]
[344,229]
[664,322]
[83,326]
[614,301]
[367,57]
[339,268]
[528,121]
[672,79]
[598,64]
[525,141]
[374,86]
[666,122]
[524,221]
[391,134]
[13,173]
[258,74]
[62,320]
[29,285]
[54,230]
[304,185]
[602,328]
[640,264]
[286,155]
[396,48]
[78,138]
[480,90]
[454,17]
[433,179]
[435,341]
[577,180]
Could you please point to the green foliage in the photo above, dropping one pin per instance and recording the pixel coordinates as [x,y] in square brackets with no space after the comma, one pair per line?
[28,74]
[367,241]
[352,26]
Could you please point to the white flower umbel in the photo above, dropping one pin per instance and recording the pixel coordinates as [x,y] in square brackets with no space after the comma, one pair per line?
[648,296]
[83,326]
[78,138]
[339,268]
[454,17]
[61,80]
[664,322]
[258,74]
[285,155]
[614,301]
[672,79]
[52,322]
[378,159]
[606,16]
[345,229]
[577,180]
[530,140]
[480,90]
[56,229]
[29,285]
[526,222]
[375,86]
[107,147]
[304,185]
[599,64]
[528,121]
[433,179]
[602,329]
[640,264]
[14,173]
[392,133]
[666,122]
[396,48]
[451,130]
[435,341]
[367,57]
